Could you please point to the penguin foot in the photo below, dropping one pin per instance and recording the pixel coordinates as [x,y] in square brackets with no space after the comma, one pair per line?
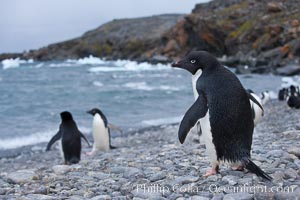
[90,153]
[212,171]
[238,168]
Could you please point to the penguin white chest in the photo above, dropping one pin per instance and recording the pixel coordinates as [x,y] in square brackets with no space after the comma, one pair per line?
[61,149]
[208,138]
[195,78]
[100,134]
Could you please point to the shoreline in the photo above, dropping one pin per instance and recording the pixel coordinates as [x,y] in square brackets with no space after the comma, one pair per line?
[154,165]
[15,152]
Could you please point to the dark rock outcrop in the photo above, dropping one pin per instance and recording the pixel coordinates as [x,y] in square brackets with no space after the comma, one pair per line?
[135,39]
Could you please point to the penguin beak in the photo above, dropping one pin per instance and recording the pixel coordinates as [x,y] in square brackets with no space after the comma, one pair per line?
[89,112]
[176,64]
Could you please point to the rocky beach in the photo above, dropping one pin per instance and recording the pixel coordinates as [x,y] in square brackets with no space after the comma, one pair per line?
[152,164]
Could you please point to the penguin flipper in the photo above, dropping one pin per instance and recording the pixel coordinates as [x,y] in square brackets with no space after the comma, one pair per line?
[195,112]
[114,127]
[81,135]
[56,137]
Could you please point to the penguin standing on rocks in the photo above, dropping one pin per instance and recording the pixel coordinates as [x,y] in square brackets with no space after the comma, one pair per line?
[101,132]
[265,97]
[70,138]
[224,112]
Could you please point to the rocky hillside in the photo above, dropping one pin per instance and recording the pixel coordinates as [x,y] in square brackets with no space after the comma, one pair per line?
[125,38]
[253,32]
[263,34]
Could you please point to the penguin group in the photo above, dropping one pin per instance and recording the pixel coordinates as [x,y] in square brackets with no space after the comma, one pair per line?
[69,136]
[291,95]
[224,113]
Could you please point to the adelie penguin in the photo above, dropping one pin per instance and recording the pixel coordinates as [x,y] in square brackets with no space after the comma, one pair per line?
[101,132]
[70,138]
[224,112]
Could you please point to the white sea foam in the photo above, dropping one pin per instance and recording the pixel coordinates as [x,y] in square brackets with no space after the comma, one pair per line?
[11,63]
[288,81]
[91,60]
[139,86]
[97,83]
[126,65]
[63,64]
[160,121]
[17,142]
[146,87]
[40,137]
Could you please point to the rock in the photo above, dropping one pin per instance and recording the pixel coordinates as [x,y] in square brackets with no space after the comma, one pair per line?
[101,197]
[22,176]
[218,197]
[274,7]
[295,151]
[287,196]
[157,176]
[238,196]
[61,169]
[146,195]
[231,180]
[295,23]
[185,180]
[289,70]
[39,197]
[275,153]
[2,191]
[98,175]
[199,198]
[278,176]
[264,196]
[290,173]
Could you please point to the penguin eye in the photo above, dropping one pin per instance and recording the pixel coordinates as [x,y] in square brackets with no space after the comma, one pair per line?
[193,61]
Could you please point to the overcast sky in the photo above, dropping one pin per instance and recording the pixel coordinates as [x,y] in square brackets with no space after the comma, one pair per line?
[30,24]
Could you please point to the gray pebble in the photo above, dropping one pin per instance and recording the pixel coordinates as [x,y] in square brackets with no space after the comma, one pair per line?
[238,196]
[61,169]
[157,176]
[101,197]
[22,176]
[291,173]
[199,198]
[295,151]
[231,180]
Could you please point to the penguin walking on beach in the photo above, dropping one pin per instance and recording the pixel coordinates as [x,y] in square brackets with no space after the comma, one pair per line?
[70,138]
[265,97]
[101,132]
[224,112]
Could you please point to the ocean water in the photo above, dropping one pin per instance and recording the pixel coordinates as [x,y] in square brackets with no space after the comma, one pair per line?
[131,95]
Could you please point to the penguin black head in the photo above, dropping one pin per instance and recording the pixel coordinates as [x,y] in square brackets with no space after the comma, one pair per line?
[66,116]
[94,111]
[197,60]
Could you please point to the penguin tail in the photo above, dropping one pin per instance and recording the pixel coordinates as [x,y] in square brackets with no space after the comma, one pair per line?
[252,167]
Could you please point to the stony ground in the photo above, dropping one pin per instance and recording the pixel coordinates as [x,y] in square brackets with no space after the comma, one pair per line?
[153,165]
